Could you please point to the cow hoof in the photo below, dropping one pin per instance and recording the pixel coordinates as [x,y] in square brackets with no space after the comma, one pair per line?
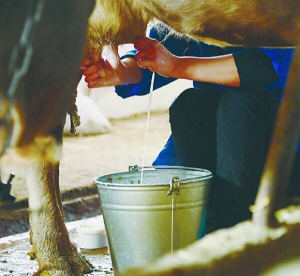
[75,265]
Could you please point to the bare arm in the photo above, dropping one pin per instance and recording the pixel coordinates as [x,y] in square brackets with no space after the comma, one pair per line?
[219,70]
[152,55]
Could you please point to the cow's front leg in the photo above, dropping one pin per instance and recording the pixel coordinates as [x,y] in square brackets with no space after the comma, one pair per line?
[50,240]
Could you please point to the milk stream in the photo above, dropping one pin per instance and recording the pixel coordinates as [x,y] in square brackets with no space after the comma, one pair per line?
[172,221]
[147,126]
[173,204]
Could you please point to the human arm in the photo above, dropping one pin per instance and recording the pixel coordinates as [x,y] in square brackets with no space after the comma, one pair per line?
[133,87]
[252,65]
[218,70]
[243,67]
[155,57]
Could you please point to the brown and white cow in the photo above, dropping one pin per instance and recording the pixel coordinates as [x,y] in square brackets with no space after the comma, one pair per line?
[41,47]
[44,93]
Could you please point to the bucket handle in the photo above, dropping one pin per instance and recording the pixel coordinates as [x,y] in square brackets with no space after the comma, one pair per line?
[174,187]
[174,182]
[136,168]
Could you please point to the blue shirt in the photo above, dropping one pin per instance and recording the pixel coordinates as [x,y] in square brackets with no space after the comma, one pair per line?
[267,67]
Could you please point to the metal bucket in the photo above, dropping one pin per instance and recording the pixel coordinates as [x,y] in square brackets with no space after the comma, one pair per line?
[139,220]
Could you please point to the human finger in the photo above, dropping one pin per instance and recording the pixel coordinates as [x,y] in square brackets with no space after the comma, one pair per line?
[92,84]
[93,70]
[146,53]
[143,42]
[99,83]
[85,63]
[92,77]
[146,63]
[89,70]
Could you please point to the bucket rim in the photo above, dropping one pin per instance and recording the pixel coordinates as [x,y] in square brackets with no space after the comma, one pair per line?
[136,168]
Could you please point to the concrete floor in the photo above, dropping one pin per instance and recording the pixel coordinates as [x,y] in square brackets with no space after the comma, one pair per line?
[15,261]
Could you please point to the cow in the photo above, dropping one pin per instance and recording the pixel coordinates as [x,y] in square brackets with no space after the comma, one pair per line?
[41,46]
[33,110]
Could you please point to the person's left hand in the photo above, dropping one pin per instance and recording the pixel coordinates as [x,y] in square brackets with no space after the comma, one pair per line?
[154,56]
[102,73]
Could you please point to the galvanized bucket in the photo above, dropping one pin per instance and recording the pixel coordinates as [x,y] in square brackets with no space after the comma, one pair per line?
[145,221]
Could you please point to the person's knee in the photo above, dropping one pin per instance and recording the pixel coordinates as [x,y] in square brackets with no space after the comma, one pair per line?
[192,104]
[183,101]
[232,99]
[243,100]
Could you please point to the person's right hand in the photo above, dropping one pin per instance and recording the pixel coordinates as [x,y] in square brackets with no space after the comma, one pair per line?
[102,73]
[155,57]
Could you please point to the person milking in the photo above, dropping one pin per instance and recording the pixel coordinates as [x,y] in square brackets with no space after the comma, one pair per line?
[224,123]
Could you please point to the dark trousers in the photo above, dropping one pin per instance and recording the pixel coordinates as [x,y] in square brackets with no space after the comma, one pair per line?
[228,134]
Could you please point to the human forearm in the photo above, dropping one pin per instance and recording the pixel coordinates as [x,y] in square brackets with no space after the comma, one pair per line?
[219,70]
[132,73]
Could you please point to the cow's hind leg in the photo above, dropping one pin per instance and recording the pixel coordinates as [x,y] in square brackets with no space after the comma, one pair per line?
[55,253]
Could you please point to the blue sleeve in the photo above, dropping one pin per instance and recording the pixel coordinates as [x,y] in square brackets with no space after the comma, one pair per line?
[168,155]
[281,59]
[254,68]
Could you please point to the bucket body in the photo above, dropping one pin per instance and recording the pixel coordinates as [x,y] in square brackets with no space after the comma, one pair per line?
[143,222]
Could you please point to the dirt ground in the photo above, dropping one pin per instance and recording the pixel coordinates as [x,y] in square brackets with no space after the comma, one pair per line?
[86,157]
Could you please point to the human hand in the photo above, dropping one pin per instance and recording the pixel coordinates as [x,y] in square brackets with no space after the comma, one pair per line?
[102,73]
[154,56]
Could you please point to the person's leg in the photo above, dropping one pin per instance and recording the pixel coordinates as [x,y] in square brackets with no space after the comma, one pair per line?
[245,120]
[193,125]
[243,127]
